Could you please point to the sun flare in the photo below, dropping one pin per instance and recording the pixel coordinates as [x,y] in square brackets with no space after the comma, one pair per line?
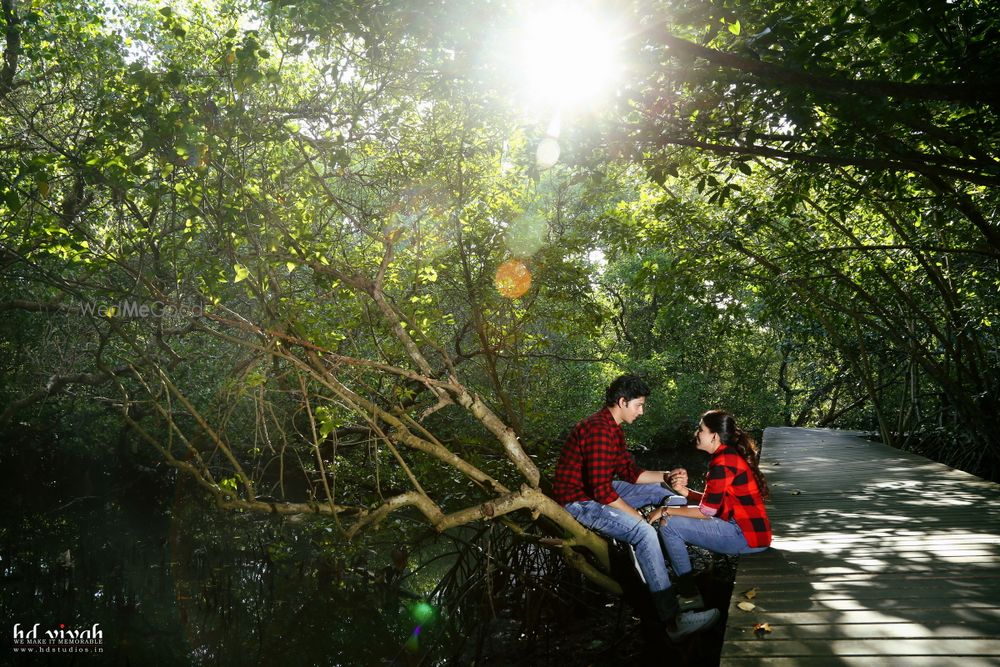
[565,57]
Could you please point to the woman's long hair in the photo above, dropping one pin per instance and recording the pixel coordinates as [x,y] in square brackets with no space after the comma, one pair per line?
[723,424]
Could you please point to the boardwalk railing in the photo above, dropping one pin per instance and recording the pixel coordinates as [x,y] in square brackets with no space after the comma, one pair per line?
[880,557]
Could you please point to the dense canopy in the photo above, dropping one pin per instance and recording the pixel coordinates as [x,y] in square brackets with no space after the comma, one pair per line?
[325,258]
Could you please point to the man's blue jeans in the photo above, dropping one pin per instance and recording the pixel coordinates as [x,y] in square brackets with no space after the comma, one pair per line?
[714,534]
[638,495]
[614,523]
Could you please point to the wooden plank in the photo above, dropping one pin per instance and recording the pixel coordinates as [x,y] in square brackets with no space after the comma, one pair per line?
[967,577]
[802,591]
[880,556]
[859,587]
[869,647]
[902,630]
[841,606]
[887,554]
[864,661]
[921,561]
[985,616]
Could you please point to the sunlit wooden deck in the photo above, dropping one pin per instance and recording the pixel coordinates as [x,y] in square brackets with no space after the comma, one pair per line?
[880,557]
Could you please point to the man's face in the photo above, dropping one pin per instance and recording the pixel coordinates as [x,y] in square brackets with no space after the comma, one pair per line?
[631,410]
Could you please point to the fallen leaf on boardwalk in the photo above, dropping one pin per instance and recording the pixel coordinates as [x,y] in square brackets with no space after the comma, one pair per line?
[750,594]
[761,629]
[746,606]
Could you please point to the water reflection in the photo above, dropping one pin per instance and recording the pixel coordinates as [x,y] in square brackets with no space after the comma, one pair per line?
[179,583]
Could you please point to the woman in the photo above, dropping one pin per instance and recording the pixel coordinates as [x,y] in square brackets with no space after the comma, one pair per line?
[730,517]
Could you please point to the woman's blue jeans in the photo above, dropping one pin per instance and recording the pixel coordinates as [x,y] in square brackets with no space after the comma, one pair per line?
[714,534]
[614,523]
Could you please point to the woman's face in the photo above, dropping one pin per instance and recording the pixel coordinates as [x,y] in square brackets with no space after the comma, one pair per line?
[707,441]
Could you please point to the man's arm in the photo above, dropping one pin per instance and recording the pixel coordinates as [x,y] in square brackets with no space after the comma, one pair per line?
[651,477]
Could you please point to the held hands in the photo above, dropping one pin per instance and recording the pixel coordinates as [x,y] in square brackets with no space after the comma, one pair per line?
[678,480]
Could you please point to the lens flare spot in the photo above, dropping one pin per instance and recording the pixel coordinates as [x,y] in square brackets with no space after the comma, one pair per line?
[413,643]
[513,279]
[526,235]
[422,613]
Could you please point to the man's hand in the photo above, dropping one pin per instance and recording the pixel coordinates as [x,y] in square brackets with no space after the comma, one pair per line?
[677,479]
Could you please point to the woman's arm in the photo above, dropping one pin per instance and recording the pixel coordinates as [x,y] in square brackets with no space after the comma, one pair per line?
[709,501]
[717,482]
[690,512]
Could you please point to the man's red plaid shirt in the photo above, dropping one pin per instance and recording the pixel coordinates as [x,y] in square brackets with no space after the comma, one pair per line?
[593,456]
[731,492]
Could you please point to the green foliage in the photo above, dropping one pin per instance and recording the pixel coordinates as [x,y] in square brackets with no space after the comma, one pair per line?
[316,199]
[230,176]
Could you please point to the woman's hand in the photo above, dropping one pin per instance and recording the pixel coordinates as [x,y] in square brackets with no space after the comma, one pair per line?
[677,479]
[657,514]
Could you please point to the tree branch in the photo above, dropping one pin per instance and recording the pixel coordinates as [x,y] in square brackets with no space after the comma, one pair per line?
[972,93]
[56,384]
[911,248]
[756,150]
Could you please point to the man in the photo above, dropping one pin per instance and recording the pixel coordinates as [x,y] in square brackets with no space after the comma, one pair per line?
[598,482]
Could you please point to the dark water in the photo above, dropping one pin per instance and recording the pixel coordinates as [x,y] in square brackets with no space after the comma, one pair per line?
[167,580]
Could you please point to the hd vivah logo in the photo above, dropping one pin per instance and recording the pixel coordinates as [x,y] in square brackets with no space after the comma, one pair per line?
[58,640]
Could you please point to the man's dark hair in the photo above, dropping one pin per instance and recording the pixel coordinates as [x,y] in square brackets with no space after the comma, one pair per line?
[627,387]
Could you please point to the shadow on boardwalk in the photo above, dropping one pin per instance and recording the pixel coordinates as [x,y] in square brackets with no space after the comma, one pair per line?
[879,556]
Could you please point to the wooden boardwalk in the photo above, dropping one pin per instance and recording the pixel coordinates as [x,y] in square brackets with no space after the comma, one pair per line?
[880,557]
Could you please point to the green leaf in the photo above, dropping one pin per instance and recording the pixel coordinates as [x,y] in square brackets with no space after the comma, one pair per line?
[12,200]
[734,28]
[327,424]
[241,273]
